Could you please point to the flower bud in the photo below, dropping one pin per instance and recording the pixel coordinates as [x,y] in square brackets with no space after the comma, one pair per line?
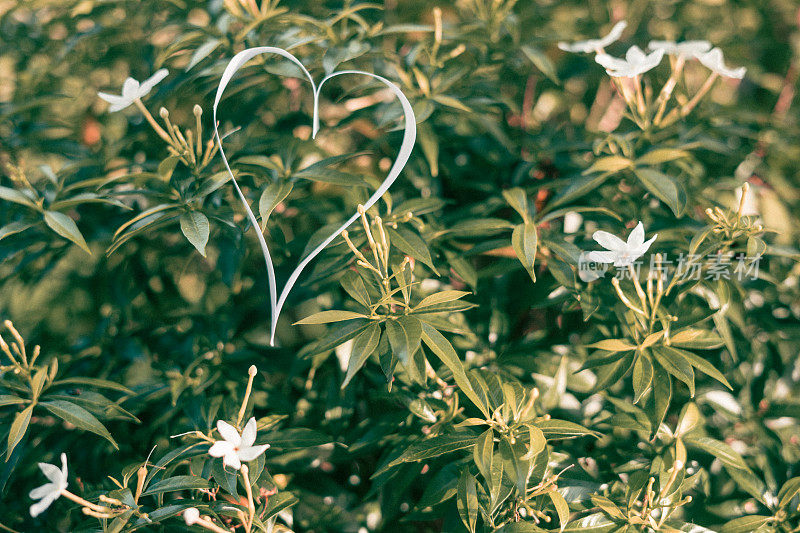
[252,371]
[191,515]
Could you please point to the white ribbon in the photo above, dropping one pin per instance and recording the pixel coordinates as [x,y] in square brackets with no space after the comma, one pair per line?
[409,138]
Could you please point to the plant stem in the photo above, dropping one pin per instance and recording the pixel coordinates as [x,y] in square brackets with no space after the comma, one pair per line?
[158,129]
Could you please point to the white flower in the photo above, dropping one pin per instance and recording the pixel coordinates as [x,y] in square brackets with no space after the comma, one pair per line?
[593,45]
[713,60]
[685,48]
[572,222]
[133,90]
[619,252]
[49,492]
[636,62]
[236,448]
[191,515]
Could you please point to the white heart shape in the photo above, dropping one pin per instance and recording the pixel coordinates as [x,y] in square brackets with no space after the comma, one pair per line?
[409,138]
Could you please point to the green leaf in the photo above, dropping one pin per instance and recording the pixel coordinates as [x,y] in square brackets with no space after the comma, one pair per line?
[688,420]
[196,229]
[332,176]
[563,429]
[478,227]
[18,429]
[78,417]
[467,500]
[411,244]
[354,286]
[663,187]
[167,167]
[516,466]
[404,334]
[212,183]
[541,61]
[13,228]
[718,449]
[578,187]
[363,346]
[661,397]
[176,483]
[642,377]
[441,488]
[612,345]
[562,509]
[518,200]
[536,442]
[676,364]
[594,523]
[524,240]
[440,298]
[704,366]
[429,143]
[521,527]
[433,447]
[295,439]
[273,194]
[326,317]
[608,506]
[696,339]
[201,52]
[450,101]
[483,453]
[789,490]
[612,372]
[661,155]
[279,502]
[225,477]
[745,524]
[66,227]
[756,246]
[8,399]
[13,195]
[442,348]
[339,335]
[93,382]
[611,163]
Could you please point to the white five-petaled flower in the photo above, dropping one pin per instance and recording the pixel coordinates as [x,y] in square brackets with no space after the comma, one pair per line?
[236,448]
[685,48]
[593,45]
[49,492]
[713,60]
[636,62]
[619,252]
[133,90]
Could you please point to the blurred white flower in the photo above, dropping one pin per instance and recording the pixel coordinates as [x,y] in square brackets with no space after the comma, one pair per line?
[636,62]
[49,492]
[572,222]
[714,60]
[685,48]
[133,90]
[191,515]
[593,45]
[236,448]
[619,252]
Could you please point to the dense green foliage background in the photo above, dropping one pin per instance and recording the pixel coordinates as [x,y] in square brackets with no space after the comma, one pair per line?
[499,109]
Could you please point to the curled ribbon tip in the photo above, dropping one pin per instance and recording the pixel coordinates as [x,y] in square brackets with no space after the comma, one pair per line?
[406,147]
